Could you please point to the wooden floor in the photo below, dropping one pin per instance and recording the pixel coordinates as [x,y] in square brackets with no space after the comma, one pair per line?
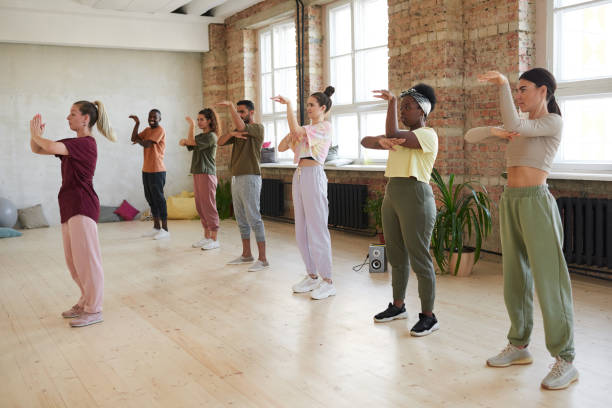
[182,329]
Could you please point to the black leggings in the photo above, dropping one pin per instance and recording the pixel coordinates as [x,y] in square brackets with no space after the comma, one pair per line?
[154,193]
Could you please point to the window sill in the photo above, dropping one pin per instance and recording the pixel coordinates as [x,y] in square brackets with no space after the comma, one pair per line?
[347,167]
[565,175]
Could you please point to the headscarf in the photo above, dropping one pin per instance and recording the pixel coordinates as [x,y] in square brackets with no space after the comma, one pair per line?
[421,99]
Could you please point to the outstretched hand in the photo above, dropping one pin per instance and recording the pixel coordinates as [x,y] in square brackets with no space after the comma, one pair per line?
[493,77]
[183,142]
[503,133]
[134,118]
[224,103]
[383,94]
[37,128]
[190,120]
[281,99]
[238,134]
[389,143]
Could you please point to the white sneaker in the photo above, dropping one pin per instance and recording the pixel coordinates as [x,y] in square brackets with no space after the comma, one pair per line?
[211,245]
[150,234]
[201,243]
[259,266]
[162,234]
[509,356]
[241,260]
[306,285]
[324,290]
[561,375]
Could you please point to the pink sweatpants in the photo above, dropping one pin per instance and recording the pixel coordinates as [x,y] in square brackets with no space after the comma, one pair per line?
[205,192]
[82,250]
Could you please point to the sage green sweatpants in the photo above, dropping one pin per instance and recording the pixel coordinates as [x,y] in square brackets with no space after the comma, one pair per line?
[532,253]
[408,215]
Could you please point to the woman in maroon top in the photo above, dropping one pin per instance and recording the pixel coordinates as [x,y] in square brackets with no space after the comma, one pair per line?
[79,205]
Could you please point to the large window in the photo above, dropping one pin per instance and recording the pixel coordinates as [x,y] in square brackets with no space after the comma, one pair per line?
[277,66]
[580,55]
[358,64]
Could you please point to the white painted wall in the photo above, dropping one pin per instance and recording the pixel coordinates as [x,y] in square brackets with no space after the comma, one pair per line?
[48,79]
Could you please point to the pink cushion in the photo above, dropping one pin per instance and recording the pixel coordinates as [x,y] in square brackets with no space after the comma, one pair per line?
[126,211]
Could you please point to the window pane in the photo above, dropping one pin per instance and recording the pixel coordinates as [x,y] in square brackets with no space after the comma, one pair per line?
[371,21]
[564,3]
[266,94]
[268,131]
[373,124]
[285,83]
[587,126]
[342,79]
[370,73]
[340,30]
[282,129]
[284,46]
[265,51]
[584,42]
[346,135]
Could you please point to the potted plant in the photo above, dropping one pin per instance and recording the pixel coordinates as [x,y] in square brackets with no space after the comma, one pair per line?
[463,212]
[224,199]
[374,208]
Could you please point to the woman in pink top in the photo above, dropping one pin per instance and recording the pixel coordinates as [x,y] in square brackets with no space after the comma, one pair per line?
[79,205]
[310,144]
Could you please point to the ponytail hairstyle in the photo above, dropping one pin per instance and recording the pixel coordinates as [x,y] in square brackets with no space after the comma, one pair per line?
[541,76]
[97,115]
[324,98]
[211,114]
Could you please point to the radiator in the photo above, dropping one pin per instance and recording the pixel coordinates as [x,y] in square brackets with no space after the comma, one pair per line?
[272,198]
[587,230]
[346,204]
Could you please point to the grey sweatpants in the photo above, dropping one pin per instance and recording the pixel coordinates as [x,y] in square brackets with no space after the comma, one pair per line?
[245,198]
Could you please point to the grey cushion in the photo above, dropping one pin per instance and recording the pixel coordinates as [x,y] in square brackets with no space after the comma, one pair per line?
[332,154]
[107,214]
[268,155]
[32,217]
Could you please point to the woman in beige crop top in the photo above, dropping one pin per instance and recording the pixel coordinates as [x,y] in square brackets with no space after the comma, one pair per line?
[530,225]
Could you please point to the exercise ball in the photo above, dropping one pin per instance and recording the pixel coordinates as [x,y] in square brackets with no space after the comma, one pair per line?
[8,213]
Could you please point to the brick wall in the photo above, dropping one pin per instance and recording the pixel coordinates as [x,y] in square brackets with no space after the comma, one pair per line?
[444,43]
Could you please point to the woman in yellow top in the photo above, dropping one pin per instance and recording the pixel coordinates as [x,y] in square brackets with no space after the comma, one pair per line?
[409,209]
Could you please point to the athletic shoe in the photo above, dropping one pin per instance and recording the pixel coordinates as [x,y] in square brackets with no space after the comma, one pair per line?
[241,260]
[425,325]
[561,375]
[151,234]
[306,285]
[393,312]
[211,245]
[509,356]
[162,234]
[201,243]
[74,311]
[324,290]
[259,266]
[85,319]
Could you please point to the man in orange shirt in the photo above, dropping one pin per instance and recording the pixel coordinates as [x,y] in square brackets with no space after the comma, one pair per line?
[153,141]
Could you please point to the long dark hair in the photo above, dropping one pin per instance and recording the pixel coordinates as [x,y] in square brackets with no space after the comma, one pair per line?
[324,98]
[541,76]
[210,114]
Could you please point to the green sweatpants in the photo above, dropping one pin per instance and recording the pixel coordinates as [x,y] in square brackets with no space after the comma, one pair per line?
[408,215]
[532,239]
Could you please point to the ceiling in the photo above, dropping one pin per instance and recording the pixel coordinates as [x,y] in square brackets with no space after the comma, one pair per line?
[213,8]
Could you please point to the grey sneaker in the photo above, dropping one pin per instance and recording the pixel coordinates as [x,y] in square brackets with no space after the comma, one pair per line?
[241,260]
[561,375]
[259,266]
[509,356]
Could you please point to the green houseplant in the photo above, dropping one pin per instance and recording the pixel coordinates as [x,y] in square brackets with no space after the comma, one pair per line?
[463,212]
[373,207]
[224,198]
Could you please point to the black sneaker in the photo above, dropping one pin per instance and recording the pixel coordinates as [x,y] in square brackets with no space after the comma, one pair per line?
[425,325]
[393,312]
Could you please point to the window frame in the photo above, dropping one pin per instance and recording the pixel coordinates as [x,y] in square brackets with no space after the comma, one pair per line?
[574,89]
[358,108]
[280,115]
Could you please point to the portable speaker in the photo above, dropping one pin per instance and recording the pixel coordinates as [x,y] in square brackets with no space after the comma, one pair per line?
[378,260]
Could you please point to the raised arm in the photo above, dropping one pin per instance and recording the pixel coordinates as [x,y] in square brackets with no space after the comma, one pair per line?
[286,143]
[39,144]
[294,128]
[190,141]
[380,142]
[135,137]
[236,120]
[391,128]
